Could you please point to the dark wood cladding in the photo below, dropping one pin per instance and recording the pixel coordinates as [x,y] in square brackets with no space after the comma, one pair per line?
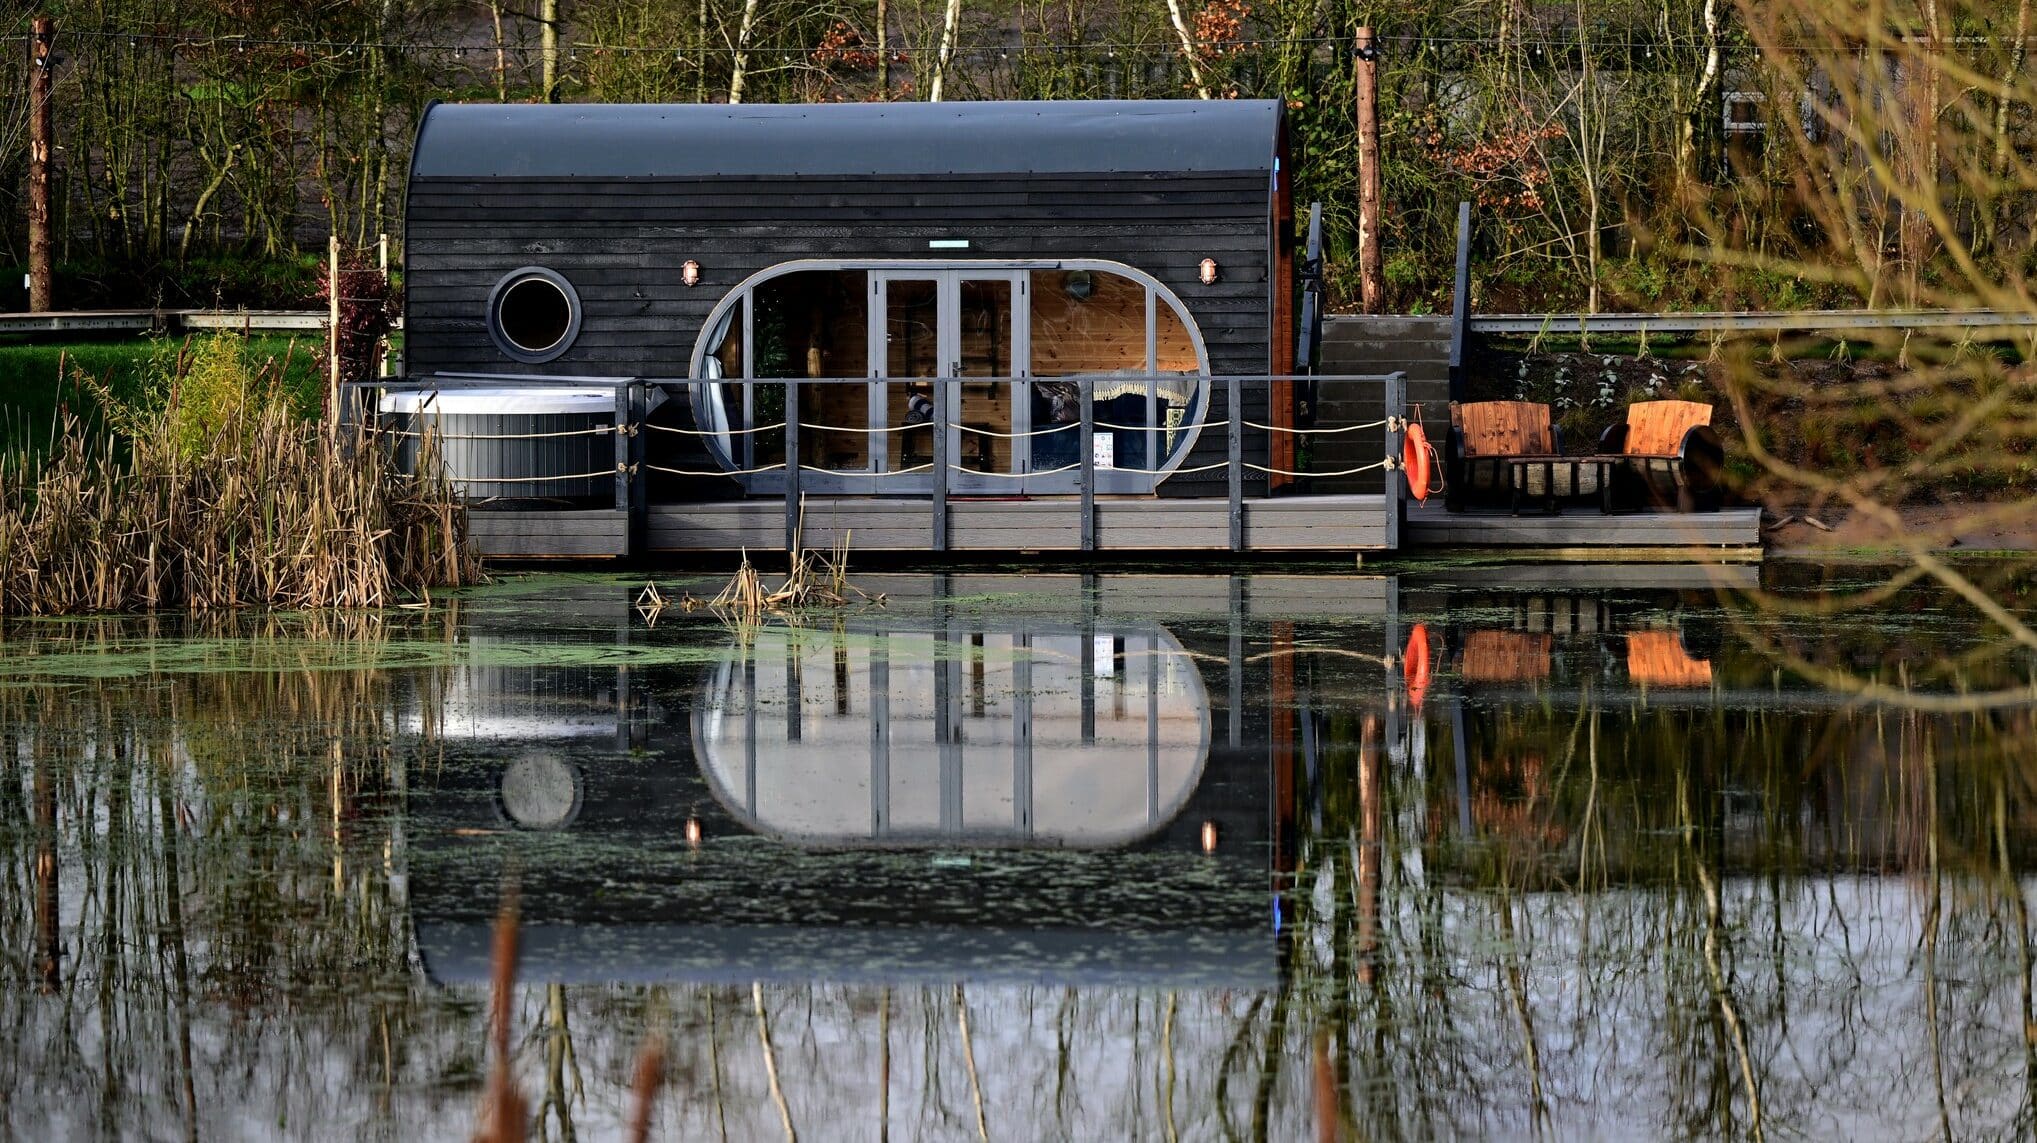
[622,244]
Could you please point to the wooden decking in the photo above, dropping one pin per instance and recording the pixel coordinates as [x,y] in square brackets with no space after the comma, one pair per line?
[574,534]
[1735,531]
[1298,524]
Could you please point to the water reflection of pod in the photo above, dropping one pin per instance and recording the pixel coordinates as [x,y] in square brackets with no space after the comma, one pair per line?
[1040,735]
[992,799]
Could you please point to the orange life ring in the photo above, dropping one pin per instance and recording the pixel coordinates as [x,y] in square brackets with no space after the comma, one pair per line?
[1415,455]
[1415,665]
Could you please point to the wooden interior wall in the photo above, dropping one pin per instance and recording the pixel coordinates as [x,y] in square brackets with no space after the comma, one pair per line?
[1102,333]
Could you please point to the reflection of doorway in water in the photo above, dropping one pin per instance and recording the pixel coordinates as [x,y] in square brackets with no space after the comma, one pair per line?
[1031,734]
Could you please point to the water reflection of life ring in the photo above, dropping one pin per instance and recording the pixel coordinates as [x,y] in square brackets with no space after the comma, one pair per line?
[1415,662]
[1414,458]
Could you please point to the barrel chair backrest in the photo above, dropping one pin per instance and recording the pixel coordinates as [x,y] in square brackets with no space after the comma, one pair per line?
[1656,428]
[1504,428]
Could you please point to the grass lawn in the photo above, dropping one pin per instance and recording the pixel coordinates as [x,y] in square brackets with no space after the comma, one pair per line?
[32,385]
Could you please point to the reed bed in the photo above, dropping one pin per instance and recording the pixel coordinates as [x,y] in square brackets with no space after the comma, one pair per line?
[815,579]
[217,495]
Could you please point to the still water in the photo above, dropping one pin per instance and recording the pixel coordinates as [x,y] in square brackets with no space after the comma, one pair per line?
[1635,854]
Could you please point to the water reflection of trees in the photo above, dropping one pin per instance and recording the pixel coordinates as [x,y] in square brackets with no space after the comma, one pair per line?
[1660,916]
[1713,921]
[208,856]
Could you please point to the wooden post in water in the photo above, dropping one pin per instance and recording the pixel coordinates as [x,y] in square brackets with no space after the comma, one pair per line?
[1371,276]
[41,145]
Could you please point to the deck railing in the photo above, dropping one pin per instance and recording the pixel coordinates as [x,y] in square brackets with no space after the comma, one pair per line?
[632,404]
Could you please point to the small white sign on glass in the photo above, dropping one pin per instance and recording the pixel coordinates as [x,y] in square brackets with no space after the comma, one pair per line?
[1104,450]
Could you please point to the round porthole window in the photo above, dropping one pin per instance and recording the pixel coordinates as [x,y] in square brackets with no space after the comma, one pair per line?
[533,314]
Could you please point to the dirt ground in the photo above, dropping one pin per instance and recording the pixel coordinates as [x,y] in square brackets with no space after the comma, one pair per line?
[1970,527]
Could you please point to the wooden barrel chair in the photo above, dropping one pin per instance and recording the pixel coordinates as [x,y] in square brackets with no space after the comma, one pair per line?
[1486,435]
[1668,454]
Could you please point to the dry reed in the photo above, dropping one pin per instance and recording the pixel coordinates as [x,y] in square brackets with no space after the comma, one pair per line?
[814,579]
[247,506]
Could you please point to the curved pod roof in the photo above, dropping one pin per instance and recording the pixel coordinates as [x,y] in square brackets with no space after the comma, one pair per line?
[624,141]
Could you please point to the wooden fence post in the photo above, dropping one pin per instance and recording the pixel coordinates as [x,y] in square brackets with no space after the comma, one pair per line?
[41,147]
[1371,276]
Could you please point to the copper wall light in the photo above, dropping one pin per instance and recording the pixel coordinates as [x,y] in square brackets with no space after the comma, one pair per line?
[689,273]
[1207,271]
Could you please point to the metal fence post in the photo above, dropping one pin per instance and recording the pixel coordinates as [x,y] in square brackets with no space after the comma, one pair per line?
[1460,302]
[639,497]
[939,540]
[1233,396]
[1396,431]
[1088,459]
[791,469]
[622,448]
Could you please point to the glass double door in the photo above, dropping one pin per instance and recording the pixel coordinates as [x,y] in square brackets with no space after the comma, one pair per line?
[966,332]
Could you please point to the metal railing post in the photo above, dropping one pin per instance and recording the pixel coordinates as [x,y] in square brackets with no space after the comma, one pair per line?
[1088,459]
[639,496]
[622,448]
[1235,469]
[939,540]
[1460,302]
[1396,432]
[791,469]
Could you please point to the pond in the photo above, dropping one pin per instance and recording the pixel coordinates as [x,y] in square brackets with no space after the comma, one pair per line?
[1581,851]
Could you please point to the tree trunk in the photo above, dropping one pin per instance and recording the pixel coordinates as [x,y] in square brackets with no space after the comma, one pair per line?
[949,26]
[883,49]
[501,56]
[1703,111]
[548,16]
[1188,48]
[742,65]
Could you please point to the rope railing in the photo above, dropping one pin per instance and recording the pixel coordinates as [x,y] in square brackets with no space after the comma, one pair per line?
[598,430]
[1014,475]
[618,470]
[674,429]
[1048,431]
[1387,463]
[1223,424]
[866,474]
[1384,423]
[1096,474]
[779,467]
[867,431]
